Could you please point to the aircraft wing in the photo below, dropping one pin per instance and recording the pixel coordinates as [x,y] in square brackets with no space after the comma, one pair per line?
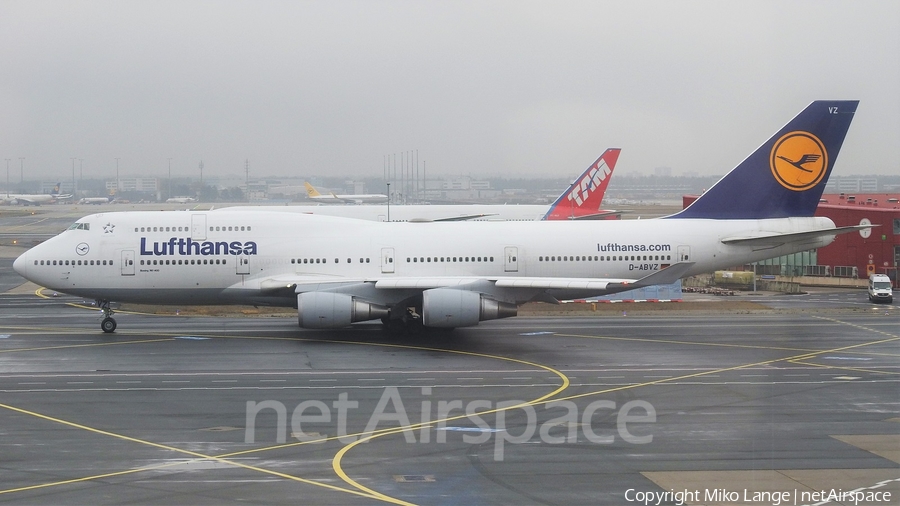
[289,285]
[455,218]
[776,239]
[598,216]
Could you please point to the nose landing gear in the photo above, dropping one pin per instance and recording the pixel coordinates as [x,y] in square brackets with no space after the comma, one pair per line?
[108,323]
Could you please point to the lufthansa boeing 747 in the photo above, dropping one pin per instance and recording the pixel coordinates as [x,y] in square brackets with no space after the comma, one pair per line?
[337,271]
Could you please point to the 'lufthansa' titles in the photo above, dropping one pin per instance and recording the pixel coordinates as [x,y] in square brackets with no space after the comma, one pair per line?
[188,247]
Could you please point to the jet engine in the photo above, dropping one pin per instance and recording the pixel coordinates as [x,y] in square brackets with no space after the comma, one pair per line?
[326,310]
[448,307]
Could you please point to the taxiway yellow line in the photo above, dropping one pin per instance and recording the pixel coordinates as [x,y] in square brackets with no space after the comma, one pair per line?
[841,368]
[89,345]
[162,447]
[336,461]
[360,490]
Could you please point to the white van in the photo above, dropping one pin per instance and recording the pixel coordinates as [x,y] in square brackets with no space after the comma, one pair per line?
[880,288]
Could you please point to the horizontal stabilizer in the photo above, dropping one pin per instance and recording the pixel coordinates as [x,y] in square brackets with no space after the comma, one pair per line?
[666,276]
[779,239]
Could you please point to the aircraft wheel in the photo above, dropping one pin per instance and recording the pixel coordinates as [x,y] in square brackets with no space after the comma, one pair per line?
[108,325]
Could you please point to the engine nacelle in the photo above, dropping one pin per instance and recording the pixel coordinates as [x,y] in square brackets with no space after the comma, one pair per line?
[326,310]
[448,307]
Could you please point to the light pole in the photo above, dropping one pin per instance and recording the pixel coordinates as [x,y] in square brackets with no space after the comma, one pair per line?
[21,169]
[170,178]
[73,177]
[200,196]
[117,177]
[7,177]
[389,202]
[80,172]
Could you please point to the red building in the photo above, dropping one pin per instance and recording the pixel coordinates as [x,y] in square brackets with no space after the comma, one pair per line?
[871,251]
[857,254]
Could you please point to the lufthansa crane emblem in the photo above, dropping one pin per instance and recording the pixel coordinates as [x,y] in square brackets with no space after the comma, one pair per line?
[798,161]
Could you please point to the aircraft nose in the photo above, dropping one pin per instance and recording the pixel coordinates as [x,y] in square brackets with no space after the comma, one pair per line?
[20,265]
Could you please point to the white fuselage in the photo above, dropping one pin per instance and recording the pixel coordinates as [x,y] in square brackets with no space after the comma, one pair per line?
[27,199]
[405,212]
[186,257]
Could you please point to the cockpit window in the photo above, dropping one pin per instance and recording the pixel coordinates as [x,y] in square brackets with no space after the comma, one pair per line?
[79,226]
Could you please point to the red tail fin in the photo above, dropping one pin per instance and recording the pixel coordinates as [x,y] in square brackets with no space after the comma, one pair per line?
[584,196]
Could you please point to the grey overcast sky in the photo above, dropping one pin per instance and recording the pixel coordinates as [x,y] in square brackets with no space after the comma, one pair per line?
[514,88]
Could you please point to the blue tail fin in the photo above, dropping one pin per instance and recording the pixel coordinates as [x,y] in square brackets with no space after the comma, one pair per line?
[785,176]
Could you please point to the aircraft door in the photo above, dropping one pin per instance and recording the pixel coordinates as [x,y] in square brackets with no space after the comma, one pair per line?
[198,227]
[242,264]
[511,259]
[387,260]
[127,268]
[684,254]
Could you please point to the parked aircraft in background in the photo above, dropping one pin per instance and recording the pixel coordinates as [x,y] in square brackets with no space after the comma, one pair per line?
[337,271]
[343,199]
[583,199]
[181,200]
[34,199]
[95,200]
[580,201]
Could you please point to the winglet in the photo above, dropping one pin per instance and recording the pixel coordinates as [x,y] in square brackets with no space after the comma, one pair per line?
[787,174]
[584,196]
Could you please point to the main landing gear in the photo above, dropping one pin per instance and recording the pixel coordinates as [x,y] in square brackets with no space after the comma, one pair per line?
[410,324]
[108,323]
